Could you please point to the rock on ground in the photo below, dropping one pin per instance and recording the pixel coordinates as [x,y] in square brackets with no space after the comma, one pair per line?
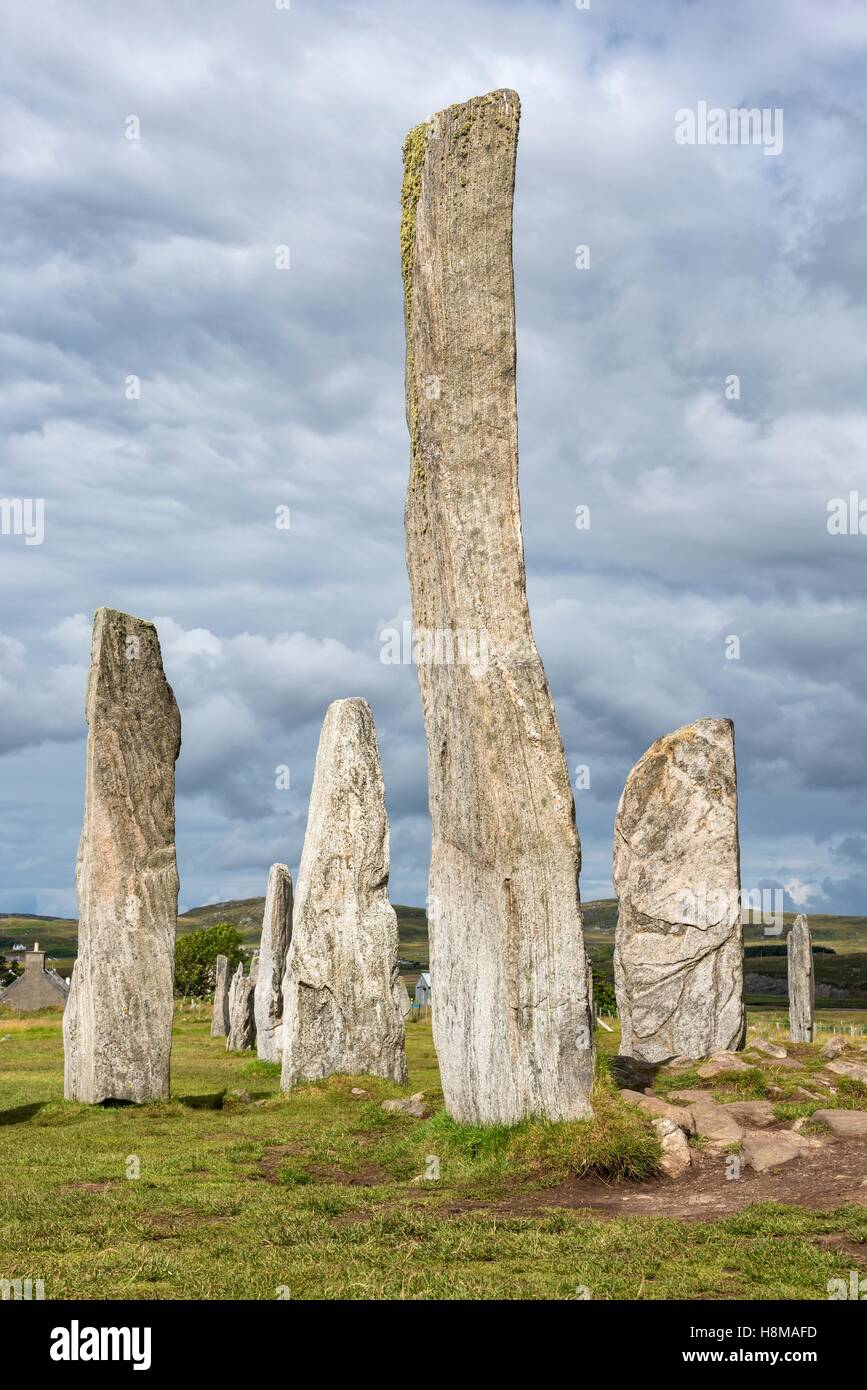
[342,1006]
[660,1109]
[414,1106]
[768,1048]
[220,1010]
[802,985]
[678,966]
[833,1047]
[715,1124]
[762,1150]
[845,1124]
[273,949]
[676,1156]
[511,1012]
[856,1071]
[117,1028]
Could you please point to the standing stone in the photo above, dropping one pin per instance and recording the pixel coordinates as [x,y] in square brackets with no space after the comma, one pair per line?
[276,935]
[242,1017]
[117,1028]
[802,984]
[341,991]
[678,954]
[220,1011]
[511,1019]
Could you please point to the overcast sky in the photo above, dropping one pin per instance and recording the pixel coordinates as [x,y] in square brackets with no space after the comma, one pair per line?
[264,387]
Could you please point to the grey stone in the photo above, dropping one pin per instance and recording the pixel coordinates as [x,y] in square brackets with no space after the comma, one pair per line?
[676,1156]
[511,1014]
[855,1071]
[762,1150]
[342,1007]
[752,1114]
[716,1065]
[845,1124]
[768,1048]
[414,1106]
[242,1017]
[716,1125]
[220,1010]
[678,966]
[833,1047]
[660,1109]
[117,1028]
[802,985]
[273,949]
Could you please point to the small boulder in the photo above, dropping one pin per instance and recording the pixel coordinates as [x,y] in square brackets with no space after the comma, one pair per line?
[660,1109]
[358,1091]
[855,1071]
[762,1151]
[414,1106]
[714,1124]
[770,1049]
[844,1124]
[676,1156]
[241,1096]
[719,1062]
[833,1047]
[693,1096]
[752,1114]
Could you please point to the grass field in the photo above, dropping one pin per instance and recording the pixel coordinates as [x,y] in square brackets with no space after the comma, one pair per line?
[311,1195]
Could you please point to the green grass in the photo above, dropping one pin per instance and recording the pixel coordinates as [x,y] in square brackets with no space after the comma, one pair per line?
[312,1193]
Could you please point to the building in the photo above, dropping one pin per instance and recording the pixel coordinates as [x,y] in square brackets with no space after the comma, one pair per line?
[422,989]
[37,988]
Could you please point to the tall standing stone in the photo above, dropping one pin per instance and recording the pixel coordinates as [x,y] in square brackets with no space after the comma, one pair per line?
[802,984]
[512,1016]
[220,1010]
[273,947]
[342,1009]
[678,954]
[117,1027]
[242,1017]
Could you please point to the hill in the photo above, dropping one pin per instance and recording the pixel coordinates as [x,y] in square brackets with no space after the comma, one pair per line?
[839,975]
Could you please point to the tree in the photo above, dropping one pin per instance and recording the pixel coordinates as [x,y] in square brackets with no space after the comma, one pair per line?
[196,957]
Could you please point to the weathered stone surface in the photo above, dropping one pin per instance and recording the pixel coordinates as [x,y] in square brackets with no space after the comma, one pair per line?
[414,1106]
[242,1017]
[220,1010]
[405,1001]
[762,1150]
[676,1156]
[37,988]
[856,1071]
[511,1013]
[714,1123]
[716,1065]
[752,1114]
[678,968]
[802,985]
[342,1007]
[768,1048]
[845,1124]
[833,1047]
[660,1109]
[117,1028]
[273,949]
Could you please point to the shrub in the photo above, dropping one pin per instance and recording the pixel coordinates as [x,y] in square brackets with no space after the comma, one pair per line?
[196,958]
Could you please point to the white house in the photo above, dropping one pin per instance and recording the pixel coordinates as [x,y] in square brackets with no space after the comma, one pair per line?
[422,989]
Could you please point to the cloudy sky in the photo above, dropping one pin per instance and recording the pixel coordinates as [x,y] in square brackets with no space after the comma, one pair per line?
[263,387]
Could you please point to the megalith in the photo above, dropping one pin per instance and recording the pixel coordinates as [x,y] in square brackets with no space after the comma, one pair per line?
[802,984]
[678,953]
[220,1010]
[511,1019]
[117,1028]
[276,935]
[342,1006]
[242,1017]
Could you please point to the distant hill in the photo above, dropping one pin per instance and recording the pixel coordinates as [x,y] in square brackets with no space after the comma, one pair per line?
[843,973]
